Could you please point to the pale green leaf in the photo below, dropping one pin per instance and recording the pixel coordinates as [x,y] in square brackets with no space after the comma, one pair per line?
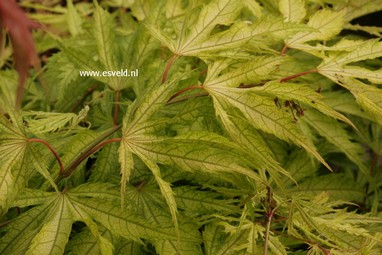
[319,49]
[76,144]
[301,93]
[270,5]
[218,242]
[338,186]
[21,232]
[191,199]
[8,80]
[45,122]
[217,12]
[353,71]
[130,221]
[343,101]
[367,96]
[140,49]
[41,165]
[81,53]
[370,49]
[372,30]
[165,189]
[154,22]
[168,247]
[328,24]
[337,135]
[150,204]
[276,246]
[125,222]
[63,73]
[143,110]
[29,197]
[13,166]
[105,41]
[194,38]
[359,8]
[129,247]
[255,231]
[142,8]
[250,139]
[293,10]
[163,38]
[105,247]
[126,161]
[247,72]
[338,224]
[107,165]
[254,7]
[73,19]
[77,214]
[7,187]
[275,27]
[104,36]
[213,239]
[264,115]
[101,191]
[193,152]
[175,8]
[211,150]
[238,34]
[300,166]
[13,162]
[85,242]
[305,217]
[252,244]
[54,234]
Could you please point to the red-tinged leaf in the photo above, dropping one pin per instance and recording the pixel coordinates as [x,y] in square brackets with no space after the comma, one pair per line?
[18,26]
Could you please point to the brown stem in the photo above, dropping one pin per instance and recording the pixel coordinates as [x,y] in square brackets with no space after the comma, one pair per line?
[85,153]
[184,90]
[267,231]
[3,224]
[100,145]
[37,140]
[298,75]
[270,213]
[374,162]
[116,107]
[283,51]
[186,98]
[170,62]
[246,86]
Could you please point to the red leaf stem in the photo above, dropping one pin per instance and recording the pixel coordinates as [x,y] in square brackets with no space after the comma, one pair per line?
[37,140]
[169,64]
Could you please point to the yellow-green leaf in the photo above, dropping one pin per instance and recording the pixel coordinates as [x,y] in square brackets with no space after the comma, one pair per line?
[328,24]
[293,10]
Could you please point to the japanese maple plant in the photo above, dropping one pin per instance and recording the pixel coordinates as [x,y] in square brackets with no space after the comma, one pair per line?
[253,127]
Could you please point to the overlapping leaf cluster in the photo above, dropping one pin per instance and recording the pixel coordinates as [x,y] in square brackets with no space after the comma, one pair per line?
[254,127]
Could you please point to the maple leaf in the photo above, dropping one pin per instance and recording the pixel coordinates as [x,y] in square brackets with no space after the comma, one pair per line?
[225,154]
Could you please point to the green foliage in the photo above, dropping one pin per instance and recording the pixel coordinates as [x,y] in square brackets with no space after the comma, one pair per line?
[253,127]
